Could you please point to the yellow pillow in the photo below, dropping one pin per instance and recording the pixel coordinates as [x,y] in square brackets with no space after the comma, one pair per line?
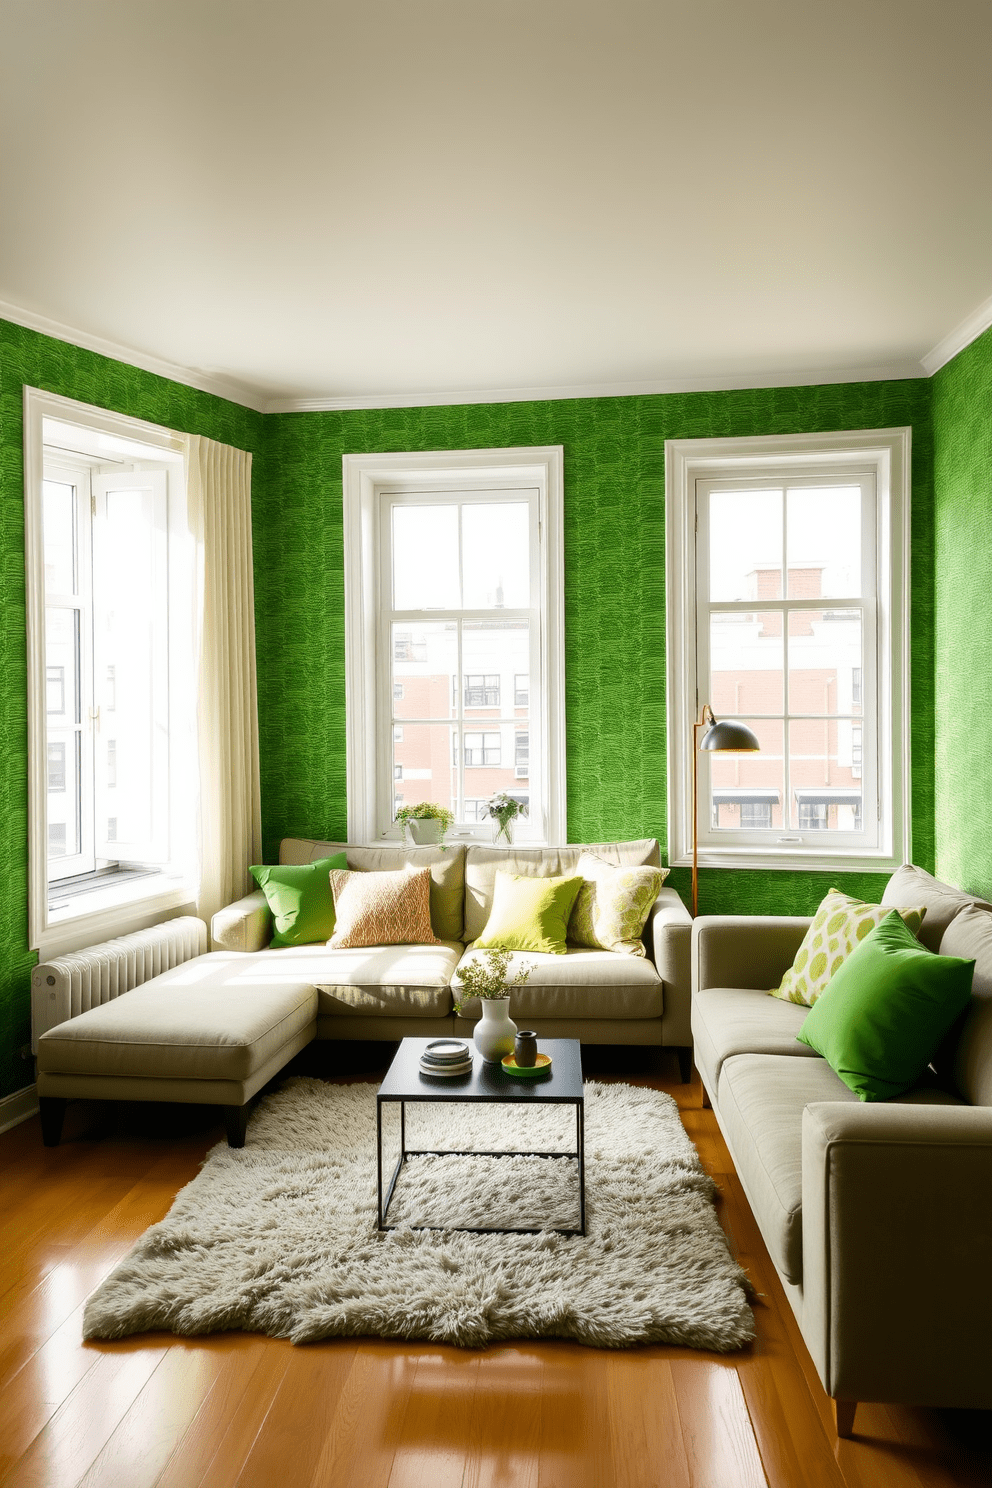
[529,914]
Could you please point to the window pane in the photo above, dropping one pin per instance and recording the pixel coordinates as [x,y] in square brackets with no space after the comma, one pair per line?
[424,669]
[496,555]
[825,764]
[493,656]
[746,662]
[824,542]
[746,544]
[425,557]
[63,796]
[62,699]
[747,789]
[824,660]
[496,758]
[424,767]
[58,504]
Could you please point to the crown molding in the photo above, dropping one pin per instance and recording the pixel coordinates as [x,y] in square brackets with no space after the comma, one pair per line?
[962,335]
[204,382]
[894,372]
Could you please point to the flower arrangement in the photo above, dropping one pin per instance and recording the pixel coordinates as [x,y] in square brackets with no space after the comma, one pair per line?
[426,811]
[504,810]
[486,977]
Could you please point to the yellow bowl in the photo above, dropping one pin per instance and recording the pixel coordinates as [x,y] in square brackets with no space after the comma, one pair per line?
[526,1071]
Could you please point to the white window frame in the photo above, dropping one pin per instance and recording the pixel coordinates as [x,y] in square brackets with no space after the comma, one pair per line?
[369,478]
[886,453]
[136,902]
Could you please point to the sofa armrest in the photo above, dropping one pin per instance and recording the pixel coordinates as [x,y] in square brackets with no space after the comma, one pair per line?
[245,925]
[744,950]
[670,925]
[897,1232]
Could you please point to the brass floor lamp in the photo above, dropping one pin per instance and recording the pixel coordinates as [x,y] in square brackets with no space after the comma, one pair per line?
[728,737]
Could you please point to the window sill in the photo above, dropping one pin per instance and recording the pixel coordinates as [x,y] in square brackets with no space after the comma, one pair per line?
[90,918]
[798,860]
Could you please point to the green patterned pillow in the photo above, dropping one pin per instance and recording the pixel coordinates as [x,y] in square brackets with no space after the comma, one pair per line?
[839,925]
[613,905]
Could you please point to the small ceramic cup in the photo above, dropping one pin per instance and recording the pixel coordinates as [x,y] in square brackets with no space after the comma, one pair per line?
[525,1049]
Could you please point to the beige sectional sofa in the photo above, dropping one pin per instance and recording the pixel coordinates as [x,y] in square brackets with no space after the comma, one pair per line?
[387,992]
[217,1028]
[878,1217]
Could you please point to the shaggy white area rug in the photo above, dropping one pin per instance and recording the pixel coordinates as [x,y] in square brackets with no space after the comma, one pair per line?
[280,1237]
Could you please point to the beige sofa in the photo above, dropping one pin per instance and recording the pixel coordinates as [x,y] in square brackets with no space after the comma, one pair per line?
[387,992]
[217,1028]
[878,1217]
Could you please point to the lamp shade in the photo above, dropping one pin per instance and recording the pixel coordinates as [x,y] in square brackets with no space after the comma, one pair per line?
[729,737]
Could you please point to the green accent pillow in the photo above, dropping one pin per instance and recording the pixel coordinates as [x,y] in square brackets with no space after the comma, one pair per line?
[529,914]
[839,925]
[300,898]
[885,1012]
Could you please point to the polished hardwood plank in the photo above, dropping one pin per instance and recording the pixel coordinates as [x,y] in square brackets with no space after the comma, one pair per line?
[241,1411]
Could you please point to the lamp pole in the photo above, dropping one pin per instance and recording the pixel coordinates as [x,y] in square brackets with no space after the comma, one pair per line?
[721,737]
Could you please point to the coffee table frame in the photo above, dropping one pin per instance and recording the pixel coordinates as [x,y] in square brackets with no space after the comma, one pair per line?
[485,1085]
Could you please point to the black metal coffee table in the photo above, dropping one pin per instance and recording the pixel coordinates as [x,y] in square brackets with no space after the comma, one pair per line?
[486,1084]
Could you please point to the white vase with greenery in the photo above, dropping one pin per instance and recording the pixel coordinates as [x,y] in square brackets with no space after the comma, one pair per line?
[486,978]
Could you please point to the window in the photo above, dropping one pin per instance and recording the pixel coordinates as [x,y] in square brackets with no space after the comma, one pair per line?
[521,754]
[56,768]
[110,706]
[787,565]
[482,749]
[482,690]
[454,605]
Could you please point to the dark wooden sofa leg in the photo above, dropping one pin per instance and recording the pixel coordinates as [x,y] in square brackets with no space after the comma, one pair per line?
[844,1416]
[236,1122]
[52,1111]
[685,1062]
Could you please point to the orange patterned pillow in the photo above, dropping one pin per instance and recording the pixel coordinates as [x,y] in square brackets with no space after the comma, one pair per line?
[373,909]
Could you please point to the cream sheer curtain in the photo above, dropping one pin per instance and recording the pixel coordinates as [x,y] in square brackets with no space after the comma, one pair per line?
[218,498]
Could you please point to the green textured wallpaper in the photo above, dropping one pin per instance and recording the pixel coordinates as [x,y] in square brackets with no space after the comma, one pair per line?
[614,600]
[26,357]
[962,421]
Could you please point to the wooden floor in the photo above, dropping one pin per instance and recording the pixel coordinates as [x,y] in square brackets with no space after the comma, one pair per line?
[256,1412]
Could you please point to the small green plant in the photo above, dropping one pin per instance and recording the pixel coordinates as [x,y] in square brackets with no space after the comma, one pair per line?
[487,977]
[426,811]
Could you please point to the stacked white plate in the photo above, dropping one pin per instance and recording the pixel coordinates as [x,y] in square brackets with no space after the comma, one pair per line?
[446,1057]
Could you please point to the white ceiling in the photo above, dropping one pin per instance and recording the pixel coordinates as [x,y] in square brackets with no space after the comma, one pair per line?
[425,198]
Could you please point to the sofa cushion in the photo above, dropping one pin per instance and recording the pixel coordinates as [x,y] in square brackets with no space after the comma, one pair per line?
[732,1020]
[969,934]
[580,984]
[447,865]
[761,1101]
[379,909]
[912,885]
[612,906]
[529,914]
[887,1010]
[377,981]
[482,863]
[217,1017]
[839,926]
[299,898]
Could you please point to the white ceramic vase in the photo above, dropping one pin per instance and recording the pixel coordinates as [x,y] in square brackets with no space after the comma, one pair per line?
[495,1031]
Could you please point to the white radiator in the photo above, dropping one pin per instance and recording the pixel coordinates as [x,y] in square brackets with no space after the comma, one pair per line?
[72,984]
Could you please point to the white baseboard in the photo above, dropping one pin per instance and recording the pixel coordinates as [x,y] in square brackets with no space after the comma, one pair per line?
[20,1106]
